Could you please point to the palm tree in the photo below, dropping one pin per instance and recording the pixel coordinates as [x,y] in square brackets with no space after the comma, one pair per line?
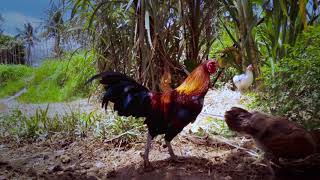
[28,36]
[54,27]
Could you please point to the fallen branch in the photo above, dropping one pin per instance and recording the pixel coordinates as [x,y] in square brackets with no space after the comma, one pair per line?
[214,115]
[250,152]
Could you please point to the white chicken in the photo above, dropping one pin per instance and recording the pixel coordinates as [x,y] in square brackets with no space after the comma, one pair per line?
[244,81]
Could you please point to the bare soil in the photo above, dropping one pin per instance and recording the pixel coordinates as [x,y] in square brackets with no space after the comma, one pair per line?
[64,156]
[68,157]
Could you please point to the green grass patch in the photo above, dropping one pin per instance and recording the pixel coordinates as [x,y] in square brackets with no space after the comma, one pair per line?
[13,78]
[54,81]
[21,126]
[220,127]
[216,126]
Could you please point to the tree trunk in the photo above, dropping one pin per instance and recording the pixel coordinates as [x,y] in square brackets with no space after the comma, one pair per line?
[57,49]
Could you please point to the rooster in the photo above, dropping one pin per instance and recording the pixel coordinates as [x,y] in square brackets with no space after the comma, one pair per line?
[165,113]
[276,136]
[244,81]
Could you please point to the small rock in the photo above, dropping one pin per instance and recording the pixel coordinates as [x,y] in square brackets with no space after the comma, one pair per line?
[3,163]
[85,165]
[32,172]
[55,168]
[92,177]
[59,153]
[227,178]
[100,164]
[71,168]
[94,170]
[65,159]
[45,156]
[111,174]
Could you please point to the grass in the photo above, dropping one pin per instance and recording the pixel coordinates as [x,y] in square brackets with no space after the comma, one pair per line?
[13,78]
[120,129]
[19,125]
[40,125]
[220,127]
[54,81]
[216,127]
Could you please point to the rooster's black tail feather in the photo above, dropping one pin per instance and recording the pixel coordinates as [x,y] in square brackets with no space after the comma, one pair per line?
[128,96]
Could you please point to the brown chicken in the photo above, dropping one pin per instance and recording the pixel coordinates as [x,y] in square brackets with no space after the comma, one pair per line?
[166,113]
[276,136]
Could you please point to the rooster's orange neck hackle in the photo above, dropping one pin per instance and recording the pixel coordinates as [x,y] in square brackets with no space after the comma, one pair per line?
[197,82]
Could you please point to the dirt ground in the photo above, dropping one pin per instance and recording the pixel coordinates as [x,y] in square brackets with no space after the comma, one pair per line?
[65,156]
[62,157]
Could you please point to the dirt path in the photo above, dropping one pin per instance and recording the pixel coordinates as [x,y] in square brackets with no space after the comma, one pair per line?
[83,106]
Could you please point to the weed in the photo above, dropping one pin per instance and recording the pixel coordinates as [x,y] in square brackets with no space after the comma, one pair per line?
[219,127]
[40,124]
[114,127]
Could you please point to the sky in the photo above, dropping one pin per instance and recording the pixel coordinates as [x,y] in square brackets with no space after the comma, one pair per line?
[18,12]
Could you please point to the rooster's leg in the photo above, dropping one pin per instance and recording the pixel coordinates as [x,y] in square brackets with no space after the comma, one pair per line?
[267,158]
[172,155]
[146,152]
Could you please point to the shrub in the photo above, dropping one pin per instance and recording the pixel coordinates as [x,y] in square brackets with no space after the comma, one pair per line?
[294,89]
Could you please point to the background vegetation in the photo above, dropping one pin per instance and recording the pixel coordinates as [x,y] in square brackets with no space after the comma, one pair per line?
[55,80]
[292,89]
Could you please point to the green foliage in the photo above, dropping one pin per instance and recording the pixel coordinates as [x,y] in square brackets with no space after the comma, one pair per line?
[14,46]
[41,124]
[224,41]
[141,38]
[55,80]
[294,89]
[225,77]
[220,127]
[125,129]
[215,127]
[5,40]
[13,78]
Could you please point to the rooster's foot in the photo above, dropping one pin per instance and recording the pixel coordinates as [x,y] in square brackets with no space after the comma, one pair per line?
[147,166]
[175,159]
